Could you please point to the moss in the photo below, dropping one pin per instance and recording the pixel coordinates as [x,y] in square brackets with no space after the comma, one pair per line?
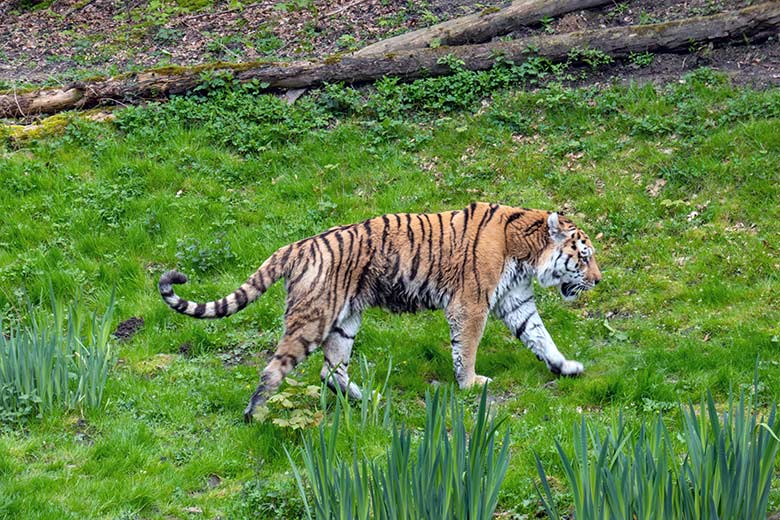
[333,58]
[21,89]
[489,10]
[93,79]
[168,70]
[178,70]
[53,125]
[194,5]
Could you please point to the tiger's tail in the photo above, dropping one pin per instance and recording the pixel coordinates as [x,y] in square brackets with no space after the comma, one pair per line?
[252,289]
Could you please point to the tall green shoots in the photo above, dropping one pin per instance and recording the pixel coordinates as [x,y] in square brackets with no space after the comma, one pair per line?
[54,361]
[451,473]
[725,474]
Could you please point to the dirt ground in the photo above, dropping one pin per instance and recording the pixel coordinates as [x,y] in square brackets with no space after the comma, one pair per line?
[73,39]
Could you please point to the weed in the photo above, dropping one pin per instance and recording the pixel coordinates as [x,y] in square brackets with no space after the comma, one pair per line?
[268,499]
[646,19]
[594,58]
[226,46]
[619,9]
[710,7]
[196,256]
[341,100]
[347,42]
[266,42]
[241,117]
[428,18]
[288,407]
[34,5]
[167,36]
[292,6]
[547,24]
[641,59]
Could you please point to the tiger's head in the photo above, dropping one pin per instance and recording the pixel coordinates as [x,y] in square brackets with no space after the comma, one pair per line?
[568,261]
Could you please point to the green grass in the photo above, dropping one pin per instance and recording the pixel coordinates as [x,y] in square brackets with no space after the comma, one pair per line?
[689,299]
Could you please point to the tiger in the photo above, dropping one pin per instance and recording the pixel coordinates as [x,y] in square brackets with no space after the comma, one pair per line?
[470,263]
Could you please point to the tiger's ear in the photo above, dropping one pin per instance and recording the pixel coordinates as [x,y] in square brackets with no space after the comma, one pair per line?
[556,233]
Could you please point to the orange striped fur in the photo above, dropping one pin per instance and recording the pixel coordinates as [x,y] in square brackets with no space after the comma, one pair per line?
[468,262]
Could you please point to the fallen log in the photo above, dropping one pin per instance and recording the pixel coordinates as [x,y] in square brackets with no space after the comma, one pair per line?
[762,19]
[480,27]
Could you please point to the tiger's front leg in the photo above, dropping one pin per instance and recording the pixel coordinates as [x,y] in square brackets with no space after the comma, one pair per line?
[518,312]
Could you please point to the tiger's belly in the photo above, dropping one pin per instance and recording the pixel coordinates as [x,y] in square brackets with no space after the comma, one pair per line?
[398,296]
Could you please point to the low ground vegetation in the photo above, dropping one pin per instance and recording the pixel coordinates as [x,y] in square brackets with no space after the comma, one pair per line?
[677,186]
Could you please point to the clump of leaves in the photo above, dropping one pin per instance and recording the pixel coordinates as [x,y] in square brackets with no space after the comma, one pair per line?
[291,407]
[240,116]
[641,59]
[200,257]
[267,499]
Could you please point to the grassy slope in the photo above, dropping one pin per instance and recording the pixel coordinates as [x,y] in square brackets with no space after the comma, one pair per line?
[690,300]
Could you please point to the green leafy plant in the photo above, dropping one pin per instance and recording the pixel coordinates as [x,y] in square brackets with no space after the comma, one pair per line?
[618,10]
[266,41]
[448,475]
[547,24]
[594,58]
[267,499]
[641,59]
[646,18]
[428,17]
[347,42]
[54,361]
[293,6]
[167,36]
[204,257]
[726,473]
[238,116]
[289,407]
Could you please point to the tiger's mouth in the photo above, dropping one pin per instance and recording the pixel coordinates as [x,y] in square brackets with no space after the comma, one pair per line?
[570,291]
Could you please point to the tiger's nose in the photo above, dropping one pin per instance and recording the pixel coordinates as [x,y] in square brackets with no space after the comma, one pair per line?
[596,280]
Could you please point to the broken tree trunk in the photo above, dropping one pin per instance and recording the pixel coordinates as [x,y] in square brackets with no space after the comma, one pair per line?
[480,27]
[762,19]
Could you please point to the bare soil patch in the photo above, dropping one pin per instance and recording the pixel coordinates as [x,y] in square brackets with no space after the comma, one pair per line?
[128,328]
[72,39]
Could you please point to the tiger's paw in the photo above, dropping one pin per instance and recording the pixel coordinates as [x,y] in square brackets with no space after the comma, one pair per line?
[571,368]
[481,380]
[475,380]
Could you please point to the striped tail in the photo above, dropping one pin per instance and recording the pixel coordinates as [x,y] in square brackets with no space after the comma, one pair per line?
[249,291]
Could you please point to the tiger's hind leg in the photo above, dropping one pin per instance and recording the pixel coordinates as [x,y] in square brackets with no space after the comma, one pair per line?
[297,343]
[337,350]
[466,328]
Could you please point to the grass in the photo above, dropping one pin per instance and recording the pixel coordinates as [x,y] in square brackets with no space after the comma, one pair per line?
[677,186]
